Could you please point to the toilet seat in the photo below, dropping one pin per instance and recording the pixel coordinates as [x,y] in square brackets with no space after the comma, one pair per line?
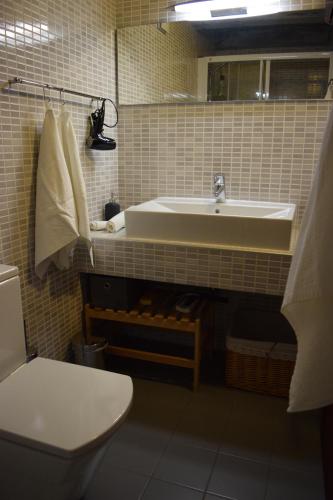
[61,408]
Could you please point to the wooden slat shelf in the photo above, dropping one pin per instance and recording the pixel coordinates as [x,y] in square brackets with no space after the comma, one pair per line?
[159,314]
[151,356]
[171,322]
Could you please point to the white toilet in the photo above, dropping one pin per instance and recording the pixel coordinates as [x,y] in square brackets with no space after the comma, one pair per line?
[56,418]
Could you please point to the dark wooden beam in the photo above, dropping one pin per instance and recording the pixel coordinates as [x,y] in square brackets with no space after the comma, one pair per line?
[279,38]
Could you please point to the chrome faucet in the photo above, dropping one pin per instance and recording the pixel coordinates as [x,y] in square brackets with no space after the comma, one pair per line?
[219,188]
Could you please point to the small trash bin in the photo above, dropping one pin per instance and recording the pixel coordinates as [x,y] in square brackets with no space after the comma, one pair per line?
[89,354]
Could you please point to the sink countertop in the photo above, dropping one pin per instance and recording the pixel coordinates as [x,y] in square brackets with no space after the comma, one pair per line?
[199,264]
[122,236]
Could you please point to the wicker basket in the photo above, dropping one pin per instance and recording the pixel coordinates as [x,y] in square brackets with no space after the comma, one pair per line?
[262,374]
[279,376]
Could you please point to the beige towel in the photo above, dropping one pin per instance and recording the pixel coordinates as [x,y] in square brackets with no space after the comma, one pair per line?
[308,299]
[116,223]
[112,226]
[98,225]
[72,157]
[56,226]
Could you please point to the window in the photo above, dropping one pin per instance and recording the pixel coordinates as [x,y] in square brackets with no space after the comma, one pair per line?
[231,81]
[300,79]
[264,76]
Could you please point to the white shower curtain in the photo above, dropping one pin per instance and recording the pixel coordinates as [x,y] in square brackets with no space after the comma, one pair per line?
[308,299]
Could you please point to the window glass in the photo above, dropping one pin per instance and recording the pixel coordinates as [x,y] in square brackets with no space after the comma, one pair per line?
[298,79]
[228,81]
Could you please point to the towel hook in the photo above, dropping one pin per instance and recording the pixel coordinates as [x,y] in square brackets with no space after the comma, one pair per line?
[44,96]
[62,99]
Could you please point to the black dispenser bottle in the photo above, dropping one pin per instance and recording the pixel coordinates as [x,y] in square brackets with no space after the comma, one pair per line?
[112,208]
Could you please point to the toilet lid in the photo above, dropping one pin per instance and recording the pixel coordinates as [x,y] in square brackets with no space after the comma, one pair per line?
[62,408]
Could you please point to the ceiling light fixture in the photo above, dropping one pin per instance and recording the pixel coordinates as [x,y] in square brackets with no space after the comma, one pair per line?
[208,10]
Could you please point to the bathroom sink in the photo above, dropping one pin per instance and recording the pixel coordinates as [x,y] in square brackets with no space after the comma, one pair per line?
[252,224]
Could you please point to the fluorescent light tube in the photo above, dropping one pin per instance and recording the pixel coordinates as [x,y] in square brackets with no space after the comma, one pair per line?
[226,9]
[235,11]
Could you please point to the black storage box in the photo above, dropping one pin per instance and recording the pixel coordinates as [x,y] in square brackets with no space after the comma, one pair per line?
[111,292]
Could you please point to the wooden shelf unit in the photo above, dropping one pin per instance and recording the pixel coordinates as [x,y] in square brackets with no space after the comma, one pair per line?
[152,317]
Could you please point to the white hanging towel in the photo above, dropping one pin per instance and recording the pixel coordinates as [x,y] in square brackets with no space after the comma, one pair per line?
[72,157]
[56,226]
[308,299]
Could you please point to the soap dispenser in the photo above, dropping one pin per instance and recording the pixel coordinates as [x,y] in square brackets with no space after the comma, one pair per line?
[112,208]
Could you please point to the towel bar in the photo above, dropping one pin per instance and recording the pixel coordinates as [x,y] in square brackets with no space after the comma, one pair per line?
[24,81]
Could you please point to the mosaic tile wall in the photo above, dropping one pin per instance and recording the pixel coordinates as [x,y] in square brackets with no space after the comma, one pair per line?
[267,151]
[134,12]
[155,66]
[245,271]
[71,44]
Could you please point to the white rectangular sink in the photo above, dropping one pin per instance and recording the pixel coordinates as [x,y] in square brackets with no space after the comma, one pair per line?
[240,223]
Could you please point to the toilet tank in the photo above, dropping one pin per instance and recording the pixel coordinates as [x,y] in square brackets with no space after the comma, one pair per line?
[12,340]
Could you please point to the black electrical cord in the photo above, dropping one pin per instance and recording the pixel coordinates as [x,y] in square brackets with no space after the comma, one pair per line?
[116,110]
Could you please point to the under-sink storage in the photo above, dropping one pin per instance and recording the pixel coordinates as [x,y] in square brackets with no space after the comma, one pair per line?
[155,310]
[143,330]
[110,291]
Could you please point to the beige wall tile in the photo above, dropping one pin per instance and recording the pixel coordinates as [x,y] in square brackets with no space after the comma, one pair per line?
[71,44]
[244,271]
[267,151]
[158,67]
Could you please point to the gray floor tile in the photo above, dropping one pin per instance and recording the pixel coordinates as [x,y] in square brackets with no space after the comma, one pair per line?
[211,401]
[116,484]
[163,418]
[197,429]
[159,490]
[155,394]
[257,405]
[247,438]
[186,465]
[175,432]
[297,443]
[137,448]
[157,405]
[204,418]
[238,478]
[250,431]
[294,485]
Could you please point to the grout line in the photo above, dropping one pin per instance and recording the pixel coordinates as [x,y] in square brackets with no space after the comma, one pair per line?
[173,432]
[246,459]
[151,477]
[268,475]
[177,483]
[140,497]
[211,472]
[222,497]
